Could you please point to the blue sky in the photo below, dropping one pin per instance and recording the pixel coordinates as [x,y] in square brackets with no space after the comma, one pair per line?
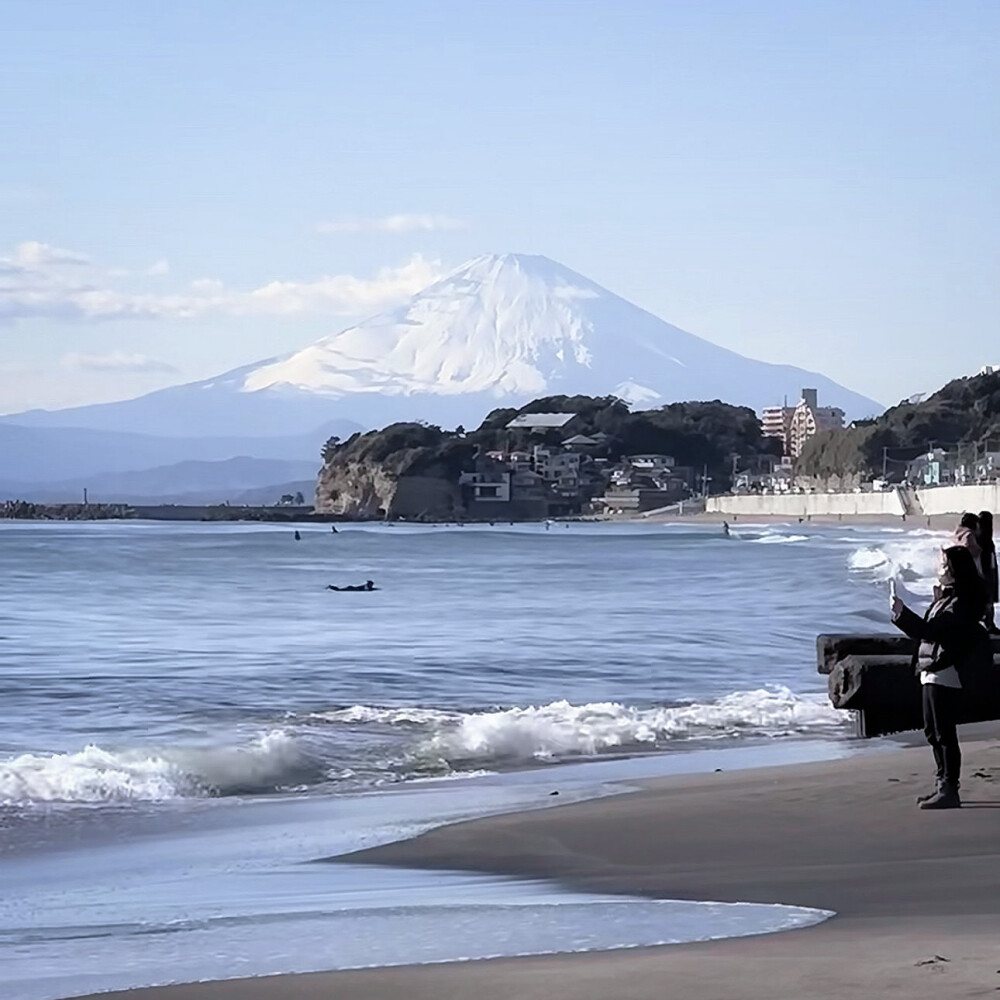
[188,187]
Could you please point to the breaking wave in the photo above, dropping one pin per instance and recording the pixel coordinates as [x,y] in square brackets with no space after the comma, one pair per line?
[776,539]
[368,746]
[912,562]
[459,741]
[95,775]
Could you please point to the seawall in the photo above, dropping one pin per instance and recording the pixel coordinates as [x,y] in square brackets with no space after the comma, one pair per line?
[808,505]
[891,503]
[957,499]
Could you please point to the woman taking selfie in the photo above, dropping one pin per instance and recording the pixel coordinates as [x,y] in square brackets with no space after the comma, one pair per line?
[950,634]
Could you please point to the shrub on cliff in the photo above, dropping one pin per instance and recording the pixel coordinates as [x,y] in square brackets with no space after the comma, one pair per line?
[403,449]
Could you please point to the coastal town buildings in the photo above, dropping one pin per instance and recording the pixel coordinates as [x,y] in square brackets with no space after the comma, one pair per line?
[645,482]
[965,465]
[562,476]
[794,425]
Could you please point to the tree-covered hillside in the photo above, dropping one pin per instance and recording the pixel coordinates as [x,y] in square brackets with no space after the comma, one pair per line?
[965,412]
[696,434]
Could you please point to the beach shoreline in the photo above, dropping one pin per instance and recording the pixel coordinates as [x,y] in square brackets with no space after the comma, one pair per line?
[915,893]
[936,522]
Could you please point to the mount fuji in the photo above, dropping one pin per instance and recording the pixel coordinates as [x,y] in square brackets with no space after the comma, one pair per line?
[497,331]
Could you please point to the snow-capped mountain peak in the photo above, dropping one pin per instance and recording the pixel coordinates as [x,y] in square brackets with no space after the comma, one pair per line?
[513,326]
[503,325]
[497,331]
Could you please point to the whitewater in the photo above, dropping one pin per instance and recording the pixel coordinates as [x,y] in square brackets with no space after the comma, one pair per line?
[171,687]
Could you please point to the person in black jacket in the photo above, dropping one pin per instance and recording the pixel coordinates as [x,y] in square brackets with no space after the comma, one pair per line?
[950,634]
[988,566]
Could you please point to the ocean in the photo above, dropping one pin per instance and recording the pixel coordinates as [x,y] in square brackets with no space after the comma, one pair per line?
[191,719]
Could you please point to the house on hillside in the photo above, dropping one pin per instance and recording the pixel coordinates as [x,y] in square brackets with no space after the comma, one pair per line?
[585,443]
[645,482]
[500,490]
[930,469]
[540,422]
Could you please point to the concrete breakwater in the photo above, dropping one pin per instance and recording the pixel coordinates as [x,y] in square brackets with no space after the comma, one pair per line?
[897,502]
[21,511]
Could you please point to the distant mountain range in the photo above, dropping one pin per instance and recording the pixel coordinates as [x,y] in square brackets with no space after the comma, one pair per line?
[497,331]
[236,480]
[35,458]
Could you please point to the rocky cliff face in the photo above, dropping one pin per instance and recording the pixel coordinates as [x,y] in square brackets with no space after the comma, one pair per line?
[371,491]
[403,471]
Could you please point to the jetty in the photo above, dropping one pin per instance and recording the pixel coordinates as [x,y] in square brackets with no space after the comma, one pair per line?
[873,677]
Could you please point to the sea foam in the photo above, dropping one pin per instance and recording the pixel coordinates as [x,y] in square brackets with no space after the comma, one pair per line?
[561,729]
[911,561]
[423,742]
[458,741]
[95,775]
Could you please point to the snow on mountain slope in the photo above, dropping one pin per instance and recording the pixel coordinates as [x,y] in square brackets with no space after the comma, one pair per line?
[516,326]
[498,324]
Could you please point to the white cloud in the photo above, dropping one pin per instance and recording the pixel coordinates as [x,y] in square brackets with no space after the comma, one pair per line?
[160,268]
[414,223]
[35,282]
[344,293]
[34,254]
[115,361]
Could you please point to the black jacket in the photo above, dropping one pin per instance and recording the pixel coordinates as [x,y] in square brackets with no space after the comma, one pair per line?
[988,563]
[950,633]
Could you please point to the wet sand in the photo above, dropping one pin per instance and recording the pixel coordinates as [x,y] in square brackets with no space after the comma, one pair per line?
[917,893]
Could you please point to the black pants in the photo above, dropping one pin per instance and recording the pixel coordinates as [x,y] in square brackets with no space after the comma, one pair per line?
[940,714]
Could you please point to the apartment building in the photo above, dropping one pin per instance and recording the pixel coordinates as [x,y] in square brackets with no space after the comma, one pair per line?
[794,425]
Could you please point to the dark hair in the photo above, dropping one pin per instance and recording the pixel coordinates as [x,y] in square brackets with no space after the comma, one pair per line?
[969,521]
[968,583]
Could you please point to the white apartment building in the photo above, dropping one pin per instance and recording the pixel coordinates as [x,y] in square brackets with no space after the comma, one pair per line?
[794,425]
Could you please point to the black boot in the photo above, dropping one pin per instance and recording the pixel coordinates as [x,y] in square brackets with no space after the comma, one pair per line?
[946,798]
[938,752]
[927,796]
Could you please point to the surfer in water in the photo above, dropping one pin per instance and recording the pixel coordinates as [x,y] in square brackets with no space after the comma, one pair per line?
[298,537]
[725,528]
[367,585]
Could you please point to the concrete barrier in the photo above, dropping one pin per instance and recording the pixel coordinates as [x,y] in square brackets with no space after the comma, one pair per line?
[957,499]
[929,502]
[808,504]
[873,676]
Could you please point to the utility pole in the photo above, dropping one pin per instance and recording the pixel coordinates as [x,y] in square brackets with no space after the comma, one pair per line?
[885,462]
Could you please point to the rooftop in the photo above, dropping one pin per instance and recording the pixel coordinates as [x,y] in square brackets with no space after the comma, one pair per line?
[541,420]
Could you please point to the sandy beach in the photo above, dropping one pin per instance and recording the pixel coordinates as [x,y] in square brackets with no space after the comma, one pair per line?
[936,522]
[917,894]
